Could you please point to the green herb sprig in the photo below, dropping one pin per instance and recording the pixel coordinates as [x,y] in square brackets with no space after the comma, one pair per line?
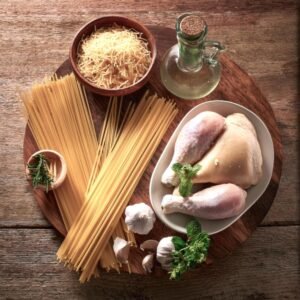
[38,171]
[185,172]
[189,253]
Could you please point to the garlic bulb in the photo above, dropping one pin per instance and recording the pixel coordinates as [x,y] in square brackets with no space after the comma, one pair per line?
[148,263]
[164,252]
[139,218]
[121,249]
[149,245]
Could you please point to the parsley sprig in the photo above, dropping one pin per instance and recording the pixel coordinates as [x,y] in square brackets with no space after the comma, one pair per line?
[189,253]
[39,173]
[185,172]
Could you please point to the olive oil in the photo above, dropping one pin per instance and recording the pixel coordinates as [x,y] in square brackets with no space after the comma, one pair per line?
[190,69]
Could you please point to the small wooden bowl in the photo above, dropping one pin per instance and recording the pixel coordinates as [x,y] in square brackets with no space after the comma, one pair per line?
[90,27]
[61,167]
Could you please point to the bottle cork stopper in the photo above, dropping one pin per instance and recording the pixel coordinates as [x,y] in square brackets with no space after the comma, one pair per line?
[192,25]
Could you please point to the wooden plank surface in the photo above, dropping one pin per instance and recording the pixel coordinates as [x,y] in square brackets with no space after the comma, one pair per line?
[240,276]
[260,36]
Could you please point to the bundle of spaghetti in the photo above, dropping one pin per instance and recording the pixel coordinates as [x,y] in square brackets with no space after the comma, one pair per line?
[115,184]
[111,129]
[59,118]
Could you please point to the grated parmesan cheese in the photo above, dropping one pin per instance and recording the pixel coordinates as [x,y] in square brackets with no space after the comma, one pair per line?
[114,57]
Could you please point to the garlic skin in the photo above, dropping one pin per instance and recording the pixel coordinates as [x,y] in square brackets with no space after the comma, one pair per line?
[139,218]
[148,263]
[164,252]
[121,249]
[176,191]
[149,245]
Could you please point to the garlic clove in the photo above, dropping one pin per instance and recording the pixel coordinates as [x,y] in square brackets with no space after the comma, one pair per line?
[121,249]
[148,263]
[139,218]
[176,191]
[149,245]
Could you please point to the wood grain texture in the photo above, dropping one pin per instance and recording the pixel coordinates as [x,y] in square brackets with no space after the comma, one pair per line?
[261,36]
[255,271]
[235,85]
[249,30]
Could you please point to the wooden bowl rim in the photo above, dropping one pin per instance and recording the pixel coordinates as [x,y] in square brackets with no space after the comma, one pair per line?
[121,20]
[61,176]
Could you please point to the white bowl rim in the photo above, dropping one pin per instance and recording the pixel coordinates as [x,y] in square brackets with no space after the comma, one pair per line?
[226,102]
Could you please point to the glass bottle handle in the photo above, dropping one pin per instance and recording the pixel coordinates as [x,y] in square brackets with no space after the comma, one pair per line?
[211,50]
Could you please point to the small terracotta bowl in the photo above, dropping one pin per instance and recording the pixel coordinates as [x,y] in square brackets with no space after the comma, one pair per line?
[90,27]
[53,157]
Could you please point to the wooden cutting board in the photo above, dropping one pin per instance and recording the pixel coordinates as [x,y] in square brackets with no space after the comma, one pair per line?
[235,85]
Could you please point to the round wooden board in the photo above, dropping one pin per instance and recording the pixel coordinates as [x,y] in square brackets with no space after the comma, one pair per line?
[235,85]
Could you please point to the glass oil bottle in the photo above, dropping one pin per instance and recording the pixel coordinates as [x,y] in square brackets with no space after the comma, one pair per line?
[190,69]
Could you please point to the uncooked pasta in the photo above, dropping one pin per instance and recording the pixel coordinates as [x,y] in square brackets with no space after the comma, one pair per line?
[114,185]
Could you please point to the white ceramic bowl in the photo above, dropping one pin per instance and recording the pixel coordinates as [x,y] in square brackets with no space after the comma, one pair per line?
[157,190]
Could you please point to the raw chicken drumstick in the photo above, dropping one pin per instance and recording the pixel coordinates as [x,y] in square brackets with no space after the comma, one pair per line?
[193,141]
[217,202]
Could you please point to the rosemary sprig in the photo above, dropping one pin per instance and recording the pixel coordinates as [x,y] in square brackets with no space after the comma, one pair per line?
[39,172]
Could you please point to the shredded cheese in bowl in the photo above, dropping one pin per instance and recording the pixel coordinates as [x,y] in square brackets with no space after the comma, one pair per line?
[114,57]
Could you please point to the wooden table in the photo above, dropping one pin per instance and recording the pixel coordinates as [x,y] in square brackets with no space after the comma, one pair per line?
[261,37]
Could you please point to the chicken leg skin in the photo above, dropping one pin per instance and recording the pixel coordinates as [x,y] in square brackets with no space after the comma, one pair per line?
[217,202]
[193,141]
[235,157]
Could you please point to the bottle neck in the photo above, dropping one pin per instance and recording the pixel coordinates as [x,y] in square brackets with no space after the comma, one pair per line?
[190,55]
[191,31]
